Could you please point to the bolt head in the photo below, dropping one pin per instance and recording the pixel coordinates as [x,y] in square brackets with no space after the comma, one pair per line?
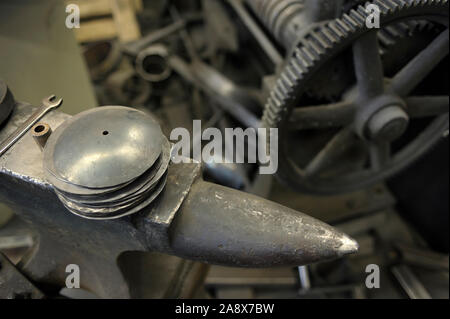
[388,124]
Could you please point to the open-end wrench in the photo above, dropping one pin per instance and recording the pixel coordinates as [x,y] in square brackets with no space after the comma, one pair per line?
[48,104]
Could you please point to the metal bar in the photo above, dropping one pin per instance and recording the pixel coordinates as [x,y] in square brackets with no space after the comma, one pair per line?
[410,283]
[416,70]
[424,106]
[303,274]
[335,148]
[380,153]
[259,35]
[322,116]
[368,66]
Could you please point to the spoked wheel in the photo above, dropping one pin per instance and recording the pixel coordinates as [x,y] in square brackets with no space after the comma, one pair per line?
[381,124]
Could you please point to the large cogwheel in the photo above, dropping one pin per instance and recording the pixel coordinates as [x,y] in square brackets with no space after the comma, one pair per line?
[381,124]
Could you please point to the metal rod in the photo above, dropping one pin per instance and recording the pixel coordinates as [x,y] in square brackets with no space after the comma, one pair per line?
[259,35]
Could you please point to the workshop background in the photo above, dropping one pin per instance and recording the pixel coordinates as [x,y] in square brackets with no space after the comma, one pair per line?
[140,53]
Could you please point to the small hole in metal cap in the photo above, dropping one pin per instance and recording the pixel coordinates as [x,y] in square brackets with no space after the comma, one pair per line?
[105,132]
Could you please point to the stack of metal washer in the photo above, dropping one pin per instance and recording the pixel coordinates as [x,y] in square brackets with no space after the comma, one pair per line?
[107,162]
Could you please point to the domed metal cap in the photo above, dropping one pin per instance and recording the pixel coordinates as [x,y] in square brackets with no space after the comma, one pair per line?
[104,147]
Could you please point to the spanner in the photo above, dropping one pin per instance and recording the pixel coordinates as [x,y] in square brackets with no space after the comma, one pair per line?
[48,104]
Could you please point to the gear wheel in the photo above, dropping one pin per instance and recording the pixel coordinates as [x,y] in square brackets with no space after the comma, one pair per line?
[401,42]
[373,114]
[396,41]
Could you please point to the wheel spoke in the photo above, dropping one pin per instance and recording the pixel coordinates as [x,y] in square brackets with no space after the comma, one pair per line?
[368,66]
[380,155]
[331,152]
[423,106]
[418,68]
[322,116]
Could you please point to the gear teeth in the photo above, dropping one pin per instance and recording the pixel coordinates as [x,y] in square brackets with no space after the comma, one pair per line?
[401,3]
[297,67]
[315,47]
[336,30]
[392,5]
[319,43]
[362,11]
[304,59]
[284,87]
[395,31]
[361,19]
[291,73]
[343,26]
[352,24]
[384,7]
[278,94]
[406,28]
[331,38]
[287,81]
[311,54]
[275,99]
[385,39]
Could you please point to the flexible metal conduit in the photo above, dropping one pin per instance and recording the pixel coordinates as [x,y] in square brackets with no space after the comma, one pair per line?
[281,17]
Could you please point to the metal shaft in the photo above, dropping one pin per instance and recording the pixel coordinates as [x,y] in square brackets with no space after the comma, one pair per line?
[233,99]
[286,19]
[281,17]
[259,35]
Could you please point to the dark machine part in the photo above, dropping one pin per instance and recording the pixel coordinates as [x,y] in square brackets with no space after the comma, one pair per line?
[426,207]
[371,115]
[235,100]
[6,102]
[221,29]
[398,44]
[127,87]
[133,48]
[287,19]
[191,218]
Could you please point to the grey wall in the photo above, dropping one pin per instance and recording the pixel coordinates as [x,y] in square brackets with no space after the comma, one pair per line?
[39,56]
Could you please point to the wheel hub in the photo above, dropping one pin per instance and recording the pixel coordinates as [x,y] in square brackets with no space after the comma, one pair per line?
[388,124]
[384,120]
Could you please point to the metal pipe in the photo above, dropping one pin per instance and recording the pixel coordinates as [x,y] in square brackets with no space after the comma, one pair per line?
[152,63]
[259,35]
